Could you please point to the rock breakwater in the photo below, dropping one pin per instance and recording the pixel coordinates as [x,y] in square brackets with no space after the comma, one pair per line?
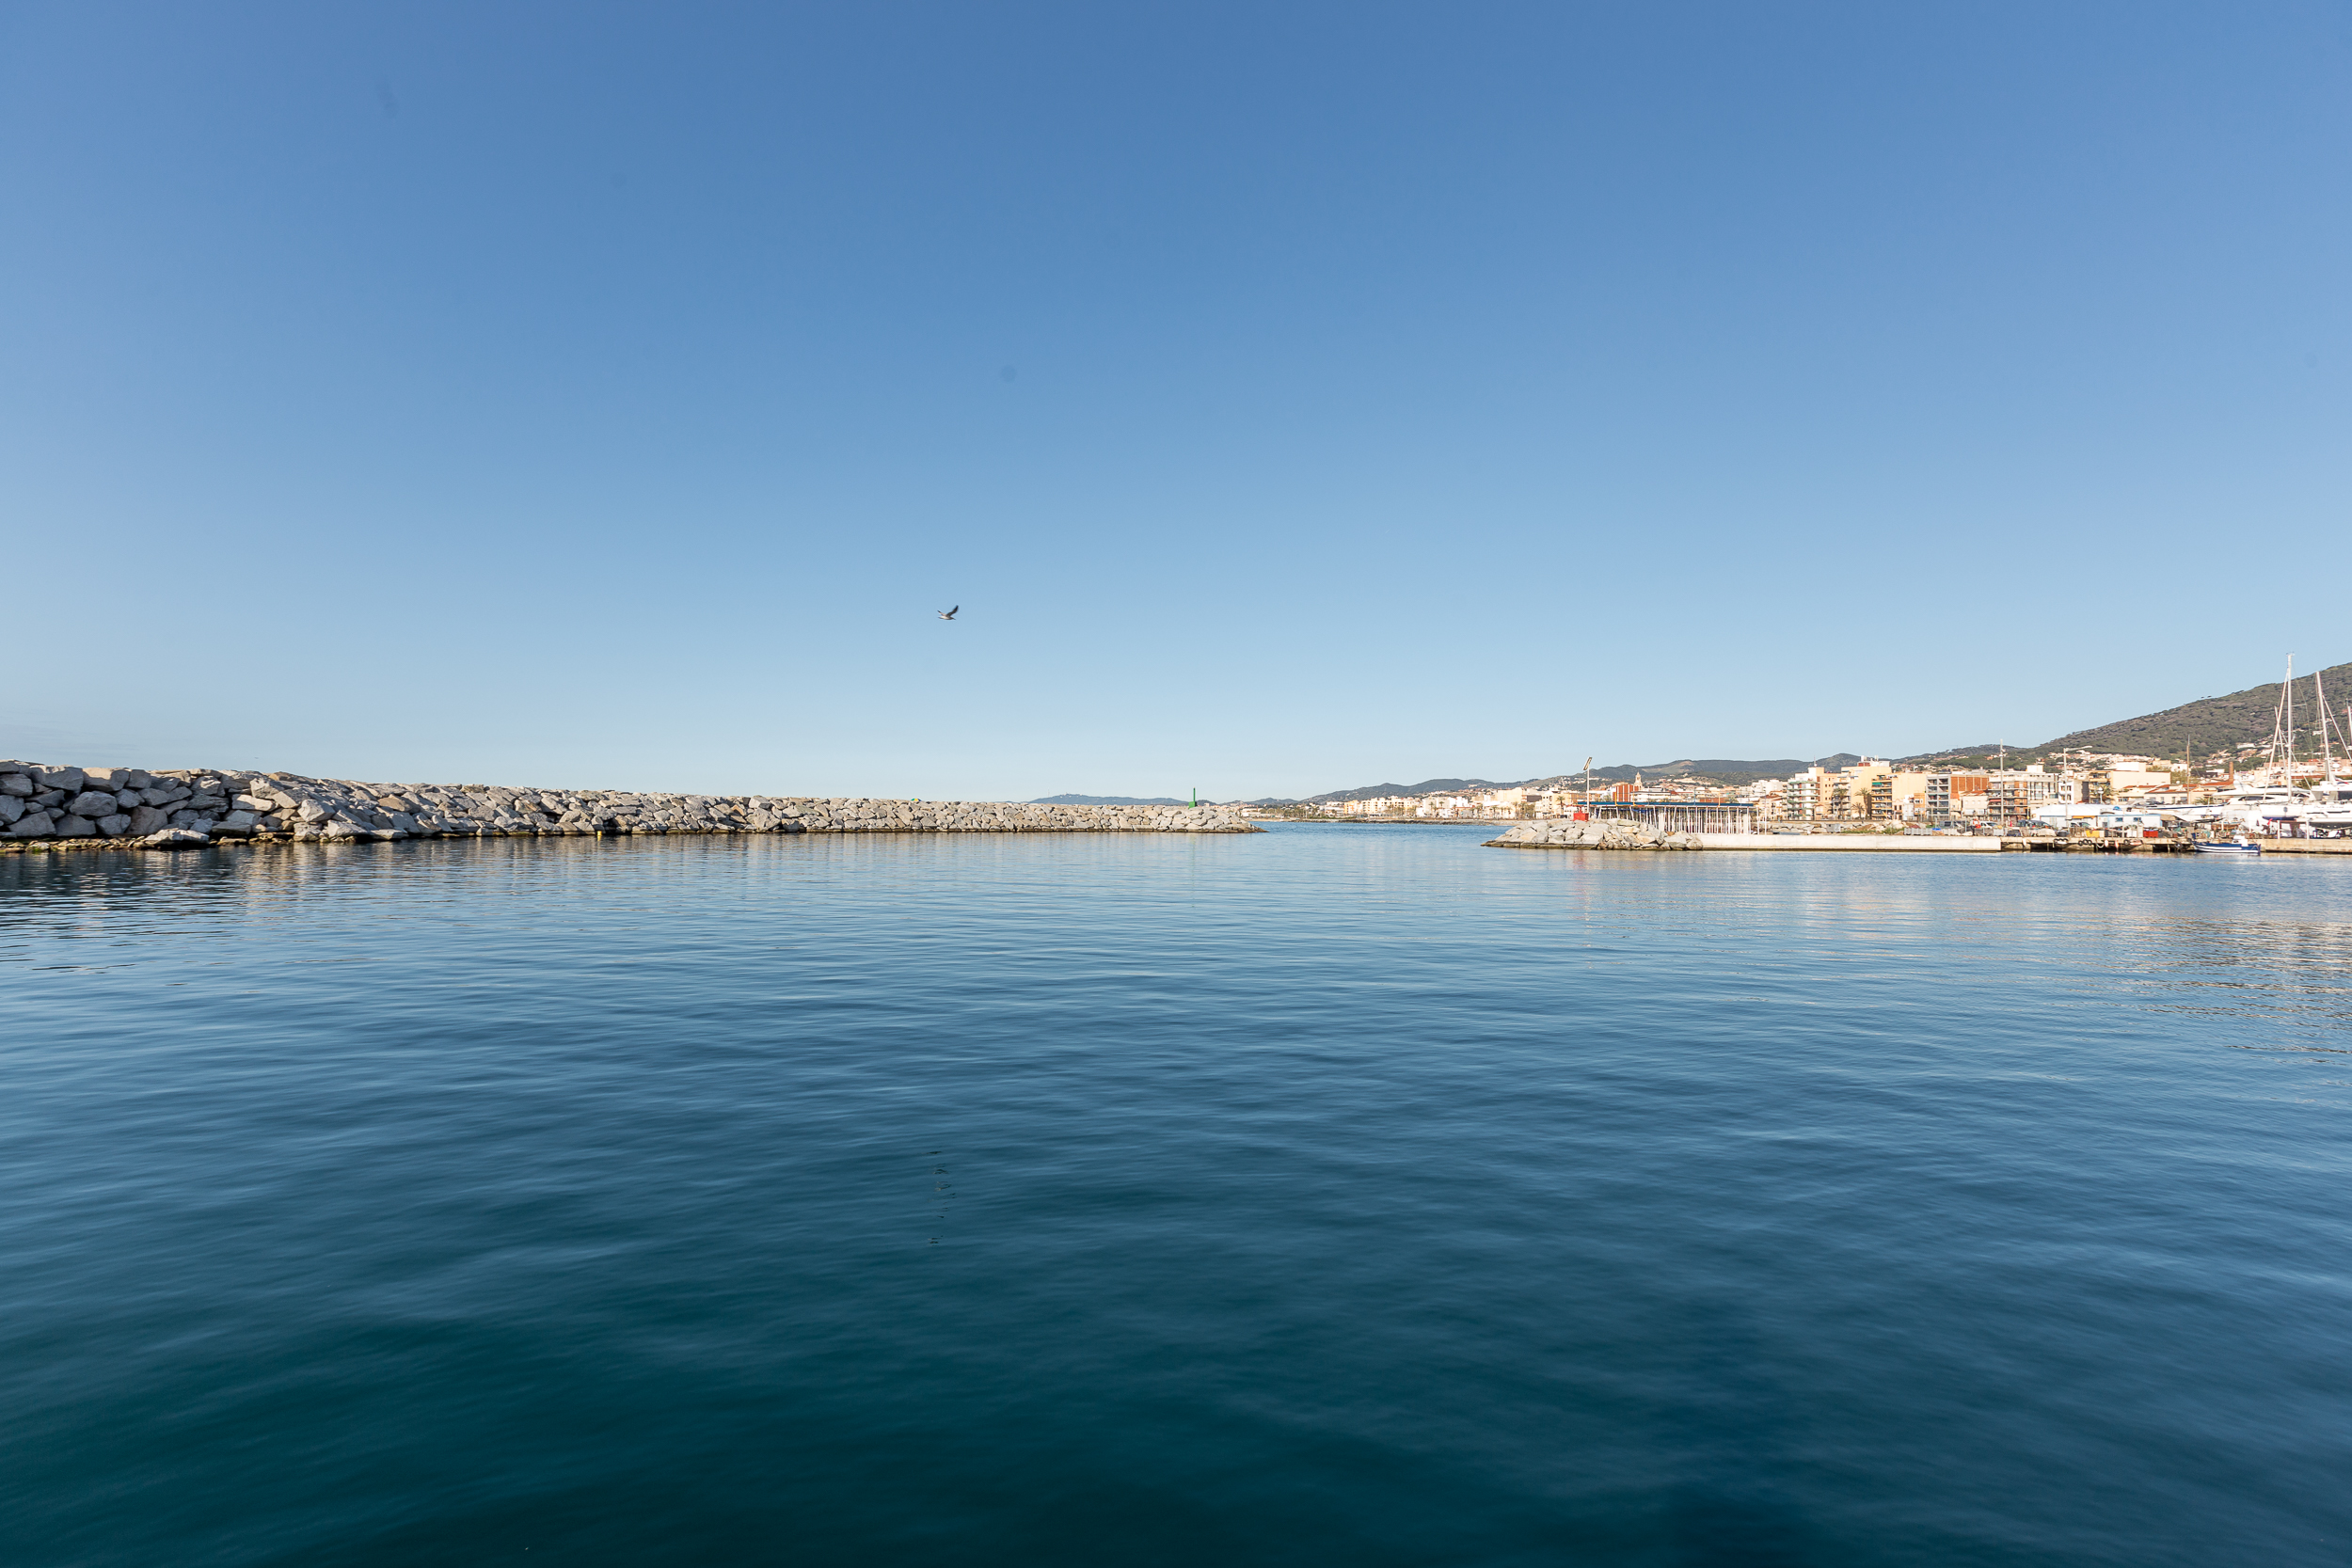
[1596,835]
[48,807]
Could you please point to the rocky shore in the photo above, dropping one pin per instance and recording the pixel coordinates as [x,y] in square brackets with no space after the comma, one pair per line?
[42,806]
[1590,836]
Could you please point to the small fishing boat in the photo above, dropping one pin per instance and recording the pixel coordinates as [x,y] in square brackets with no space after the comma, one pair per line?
[2235,846]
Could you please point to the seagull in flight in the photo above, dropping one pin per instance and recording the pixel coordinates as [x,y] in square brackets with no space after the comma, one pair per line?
[949,614]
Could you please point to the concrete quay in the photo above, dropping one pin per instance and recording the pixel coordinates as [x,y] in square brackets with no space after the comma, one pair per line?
[44,806]
[1860,843]
[1931,844]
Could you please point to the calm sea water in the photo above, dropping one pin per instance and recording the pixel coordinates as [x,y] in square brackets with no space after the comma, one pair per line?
[1352,1196]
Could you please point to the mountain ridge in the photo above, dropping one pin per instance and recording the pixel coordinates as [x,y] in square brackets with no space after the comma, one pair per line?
[1106,801]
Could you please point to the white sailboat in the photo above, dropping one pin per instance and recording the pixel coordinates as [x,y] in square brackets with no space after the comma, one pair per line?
[2330,810]
[2276,801]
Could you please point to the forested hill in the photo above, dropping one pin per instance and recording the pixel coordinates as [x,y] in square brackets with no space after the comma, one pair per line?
[2207,725]
[2210,724]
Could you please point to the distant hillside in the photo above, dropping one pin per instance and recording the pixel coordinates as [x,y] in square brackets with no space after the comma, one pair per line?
[2209,723]
[1726,770]
[1723,771]
[2206,726]
[1109,800]
[1426,786]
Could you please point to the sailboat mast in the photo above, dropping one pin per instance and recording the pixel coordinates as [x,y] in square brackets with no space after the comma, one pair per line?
[2287,732]
[2327,751]
[2273,762]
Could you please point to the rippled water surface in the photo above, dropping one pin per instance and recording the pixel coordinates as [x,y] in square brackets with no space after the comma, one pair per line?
[1351,1196]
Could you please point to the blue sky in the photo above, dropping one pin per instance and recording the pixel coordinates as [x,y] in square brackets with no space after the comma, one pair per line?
[1294,396]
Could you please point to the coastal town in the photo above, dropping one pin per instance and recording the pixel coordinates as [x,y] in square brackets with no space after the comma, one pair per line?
[2284,775]
[2143,798]
[1871,791]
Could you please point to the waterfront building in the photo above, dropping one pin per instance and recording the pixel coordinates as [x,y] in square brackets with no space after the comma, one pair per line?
[1805,794]
[1953,797]
[1850,794]
[1906,796]
[2011,794]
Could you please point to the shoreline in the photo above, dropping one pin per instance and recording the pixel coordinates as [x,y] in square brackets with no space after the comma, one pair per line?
[47,807]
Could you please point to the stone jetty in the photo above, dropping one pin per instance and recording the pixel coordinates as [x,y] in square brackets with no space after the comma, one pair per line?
[173,808]
[1596,835]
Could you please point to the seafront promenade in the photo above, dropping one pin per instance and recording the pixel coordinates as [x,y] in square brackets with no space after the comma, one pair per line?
[44,806]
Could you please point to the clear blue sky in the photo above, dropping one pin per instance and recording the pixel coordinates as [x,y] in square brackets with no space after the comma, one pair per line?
[1295,396]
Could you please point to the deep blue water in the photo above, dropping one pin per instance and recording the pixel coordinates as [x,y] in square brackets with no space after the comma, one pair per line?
[1351,1196]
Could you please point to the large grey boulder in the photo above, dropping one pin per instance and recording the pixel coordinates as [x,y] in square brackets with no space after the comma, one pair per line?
[59,778]
[17,784]
[10,809]
[92,803]
[115,826]
[148,820]
[33,824]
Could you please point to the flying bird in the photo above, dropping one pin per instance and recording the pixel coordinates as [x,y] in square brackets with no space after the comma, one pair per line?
[949,614]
